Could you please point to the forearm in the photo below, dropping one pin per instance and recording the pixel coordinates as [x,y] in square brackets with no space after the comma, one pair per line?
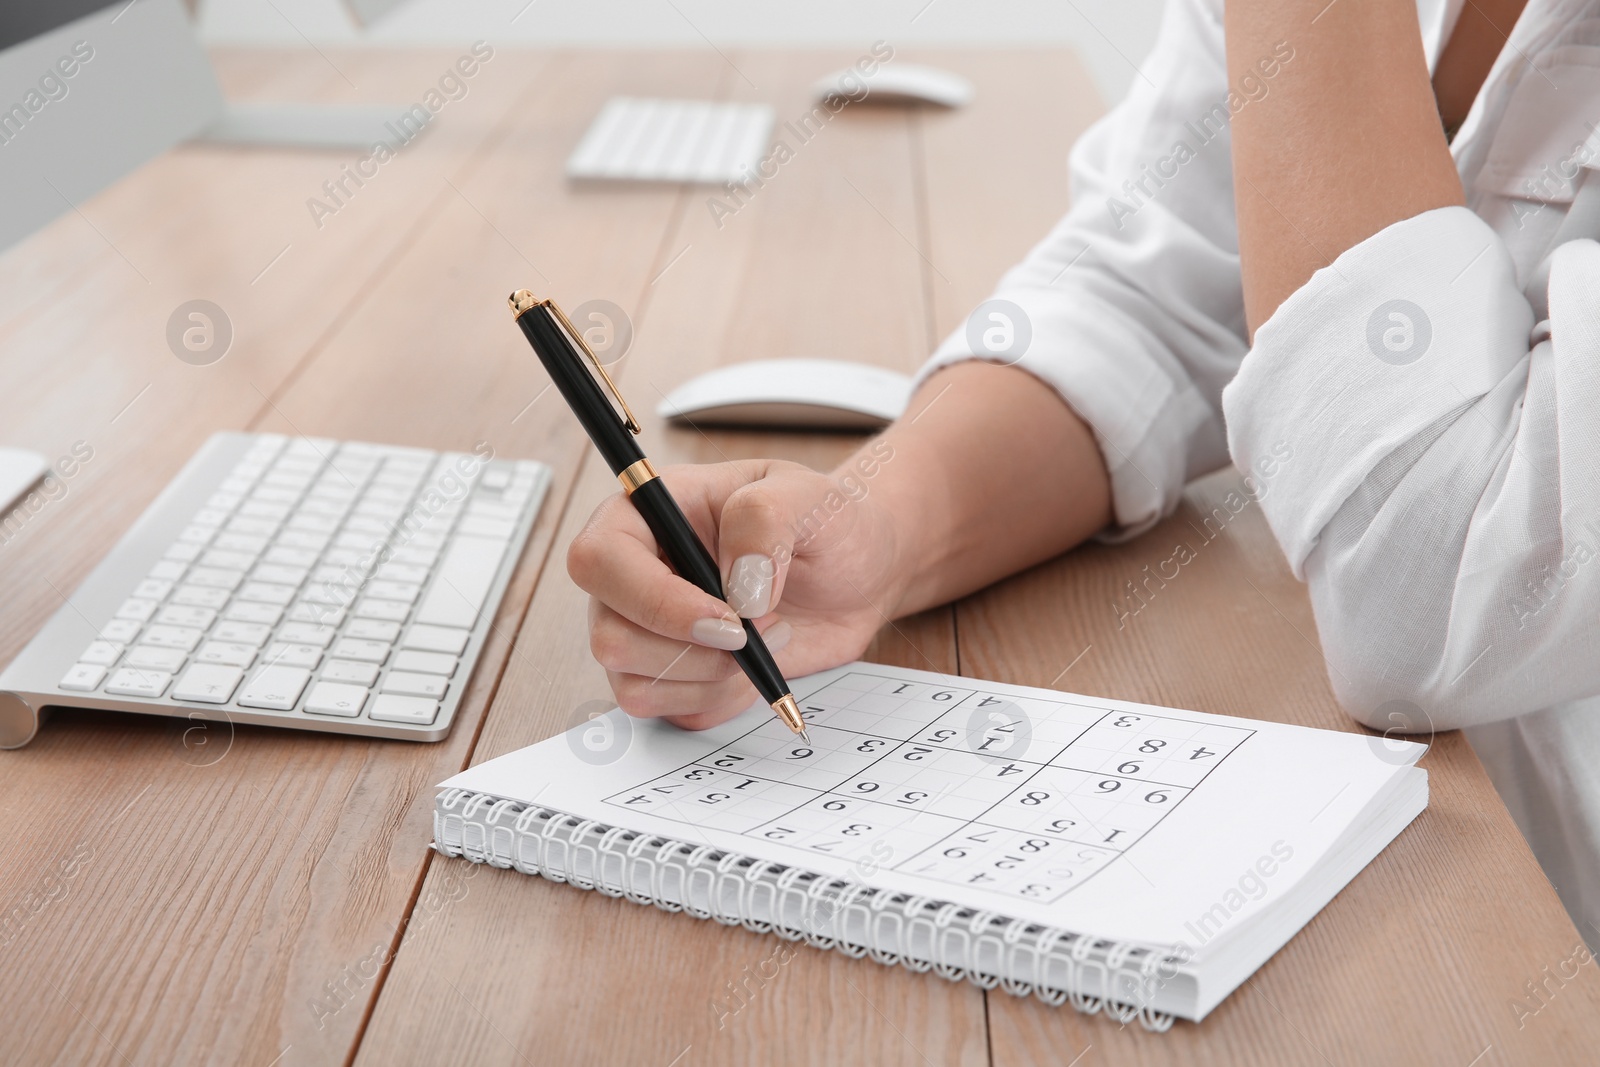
[991,472]
[1348,142]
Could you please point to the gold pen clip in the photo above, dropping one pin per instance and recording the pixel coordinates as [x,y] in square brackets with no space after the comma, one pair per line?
[522,301]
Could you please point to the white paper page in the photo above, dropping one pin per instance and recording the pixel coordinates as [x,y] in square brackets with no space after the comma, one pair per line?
[1121,820]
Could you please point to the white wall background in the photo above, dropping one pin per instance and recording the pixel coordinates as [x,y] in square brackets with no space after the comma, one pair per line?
[1111,35]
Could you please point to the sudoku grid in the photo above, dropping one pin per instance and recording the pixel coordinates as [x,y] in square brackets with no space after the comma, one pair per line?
[1017,795]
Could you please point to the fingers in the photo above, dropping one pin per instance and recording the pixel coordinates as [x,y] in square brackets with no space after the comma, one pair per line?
[624,647]
[756,535]
[713,703]
[614,560]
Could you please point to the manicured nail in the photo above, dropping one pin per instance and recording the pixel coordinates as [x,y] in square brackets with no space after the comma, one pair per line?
[778,635]
[750,585]
[718,633]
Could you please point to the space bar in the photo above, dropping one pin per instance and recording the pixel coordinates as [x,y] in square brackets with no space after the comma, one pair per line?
[461,584]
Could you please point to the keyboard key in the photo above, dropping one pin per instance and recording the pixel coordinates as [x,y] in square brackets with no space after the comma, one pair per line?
[251,611]
[435,639]
[358,649]
[226,653]
[211,516]
[372,630]
[333,698]
[250,544]
[340,577]
[183,551]
[322,506]
[369,524]
[104,653]
[206,683]
[230,560]
[422,557]
[328,595]
[463,580]
[386,511]
[274,572]
[196,596]
[305,611]
[183,615]
[477,526]
[288,655]
[344,670]
[224,501]
[168,570]
[152,589]
[387,610]
[291,557]
[267,592]
[417,685]
[405,592]
[216,577]
[402,572]
[390,707]
[82,678]
[150,658]
[131,682]
[243,524]
[424,662]
[123,630]
[313,523]
[244,633]
[487,509]
[196,534]
[306,633]
[346,557]
[137,610]
[184,637]
[275,688]
[303,539]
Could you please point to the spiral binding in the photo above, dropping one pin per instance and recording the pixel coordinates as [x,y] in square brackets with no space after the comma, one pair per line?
[952,941]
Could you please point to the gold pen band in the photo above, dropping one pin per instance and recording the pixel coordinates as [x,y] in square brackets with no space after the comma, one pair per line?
[636,474]
[788,710]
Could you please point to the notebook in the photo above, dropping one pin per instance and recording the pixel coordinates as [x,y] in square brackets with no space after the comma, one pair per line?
[1139,860]
[673,141]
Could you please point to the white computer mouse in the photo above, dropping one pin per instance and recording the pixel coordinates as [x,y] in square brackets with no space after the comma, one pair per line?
[19,469]
[825,394]
[900,83]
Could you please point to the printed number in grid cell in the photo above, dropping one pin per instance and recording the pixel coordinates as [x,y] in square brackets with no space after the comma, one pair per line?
[951,857]
[668,786]
[805,766]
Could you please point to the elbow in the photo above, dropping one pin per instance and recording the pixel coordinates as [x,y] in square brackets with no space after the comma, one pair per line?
[1388,667]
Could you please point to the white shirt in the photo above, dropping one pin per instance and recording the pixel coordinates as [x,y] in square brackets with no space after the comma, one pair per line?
[1422,439]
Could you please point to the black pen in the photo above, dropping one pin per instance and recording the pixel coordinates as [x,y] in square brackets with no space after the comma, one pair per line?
[562,350]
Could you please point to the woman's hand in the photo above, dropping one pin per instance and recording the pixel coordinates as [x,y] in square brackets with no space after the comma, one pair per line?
[809,557]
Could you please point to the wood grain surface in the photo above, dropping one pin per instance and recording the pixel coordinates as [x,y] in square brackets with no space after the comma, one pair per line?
[263,897]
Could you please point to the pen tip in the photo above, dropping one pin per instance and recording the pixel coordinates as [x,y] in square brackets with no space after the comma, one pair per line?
[805,736]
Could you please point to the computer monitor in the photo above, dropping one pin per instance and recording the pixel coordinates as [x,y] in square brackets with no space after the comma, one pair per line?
[88,92]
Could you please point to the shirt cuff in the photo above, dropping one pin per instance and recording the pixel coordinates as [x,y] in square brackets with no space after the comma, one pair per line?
[1144,413]
[1407,327]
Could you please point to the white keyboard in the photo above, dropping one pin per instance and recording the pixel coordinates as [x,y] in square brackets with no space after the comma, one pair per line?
[295,582]
[673,141]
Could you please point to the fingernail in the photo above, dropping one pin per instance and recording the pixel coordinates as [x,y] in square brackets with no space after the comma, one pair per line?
[750,585]
[778,635]
[718,633]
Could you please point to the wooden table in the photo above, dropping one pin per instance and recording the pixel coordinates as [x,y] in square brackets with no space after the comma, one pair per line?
[268,897]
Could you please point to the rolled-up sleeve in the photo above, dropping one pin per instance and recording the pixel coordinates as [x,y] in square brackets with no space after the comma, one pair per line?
[1442,477]
[1133,301]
